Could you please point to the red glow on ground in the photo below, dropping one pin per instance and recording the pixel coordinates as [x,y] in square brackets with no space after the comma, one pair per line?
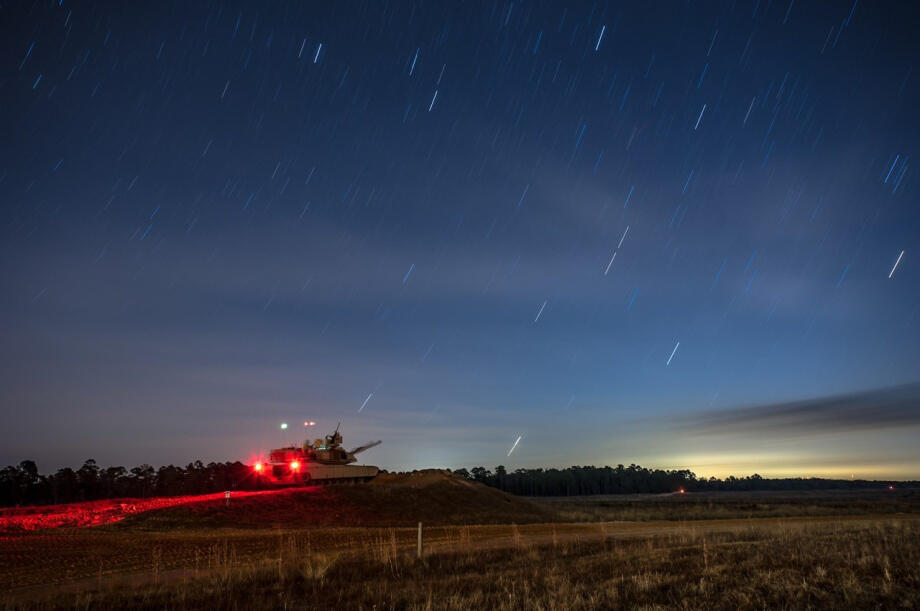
[98,513]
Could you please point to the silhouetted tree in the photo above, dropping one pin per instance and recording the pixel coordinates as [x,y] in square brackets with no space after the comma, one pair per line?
[23,484]
[577,480]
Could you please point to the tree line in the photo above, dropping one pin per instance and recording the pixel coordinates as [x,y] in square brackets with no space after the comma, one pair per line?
[576,481]
[24,485]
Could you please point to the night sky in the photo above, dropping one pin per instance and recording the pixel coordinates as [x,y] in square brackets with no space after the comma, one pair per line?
[678,234]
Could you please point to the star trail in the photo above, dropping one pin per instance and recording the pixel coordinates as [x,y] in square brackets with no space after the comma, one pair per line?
[446,223]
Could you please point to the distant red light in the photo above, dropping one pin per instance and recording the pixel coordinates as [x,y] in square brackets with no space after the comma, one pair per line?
[294,465]
[891,487]
[681,491]
[257,466]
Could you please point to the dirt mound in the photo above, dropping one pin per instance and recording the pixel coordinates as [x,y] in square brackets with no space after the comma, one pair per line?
[419,479]
[431,496]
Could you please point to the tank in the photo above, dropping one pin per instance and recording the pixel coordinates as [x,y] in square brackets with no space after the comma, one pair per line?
[324,461]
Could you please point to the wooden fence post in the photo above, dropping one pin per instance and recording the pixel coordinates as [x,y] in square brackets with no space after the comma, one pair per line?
[419,547]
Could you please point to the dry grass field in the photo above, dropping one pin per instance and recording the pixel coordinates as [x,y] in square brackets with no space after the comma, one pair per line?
[858,563]
[718,551]
[722,505]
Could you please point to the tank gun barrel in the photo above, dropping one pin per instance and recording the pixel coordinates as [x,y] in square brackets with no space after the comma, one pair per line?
[368,446]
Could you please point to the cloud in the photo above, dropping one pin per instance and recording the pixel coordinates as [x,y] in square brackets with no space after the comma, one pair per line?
[884,408]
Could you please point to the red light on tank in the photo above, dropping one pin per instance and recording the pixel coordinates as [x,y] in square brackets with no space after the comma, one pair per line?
[294,465]
[257,466]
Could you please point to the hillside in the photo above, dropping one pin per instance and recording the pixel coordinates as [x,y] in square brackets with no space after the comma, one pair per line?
[431,496]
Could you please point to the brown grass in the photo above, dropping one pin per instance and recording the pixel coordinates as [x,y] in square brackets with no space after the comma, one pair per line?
[694,551]
[720,506]
[857,563]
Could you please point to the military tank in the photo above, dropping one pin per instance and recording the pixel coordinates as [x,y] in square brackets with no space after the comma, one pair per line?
[324,461]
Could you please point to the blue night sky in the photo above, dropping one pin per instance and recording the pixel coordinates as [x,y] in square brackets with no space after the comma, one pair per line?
[625,233]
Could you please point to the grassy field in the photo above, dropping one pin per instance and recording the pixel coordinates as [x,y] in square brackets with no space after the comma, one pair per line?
[722,505]
[352,547]
[857,563]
